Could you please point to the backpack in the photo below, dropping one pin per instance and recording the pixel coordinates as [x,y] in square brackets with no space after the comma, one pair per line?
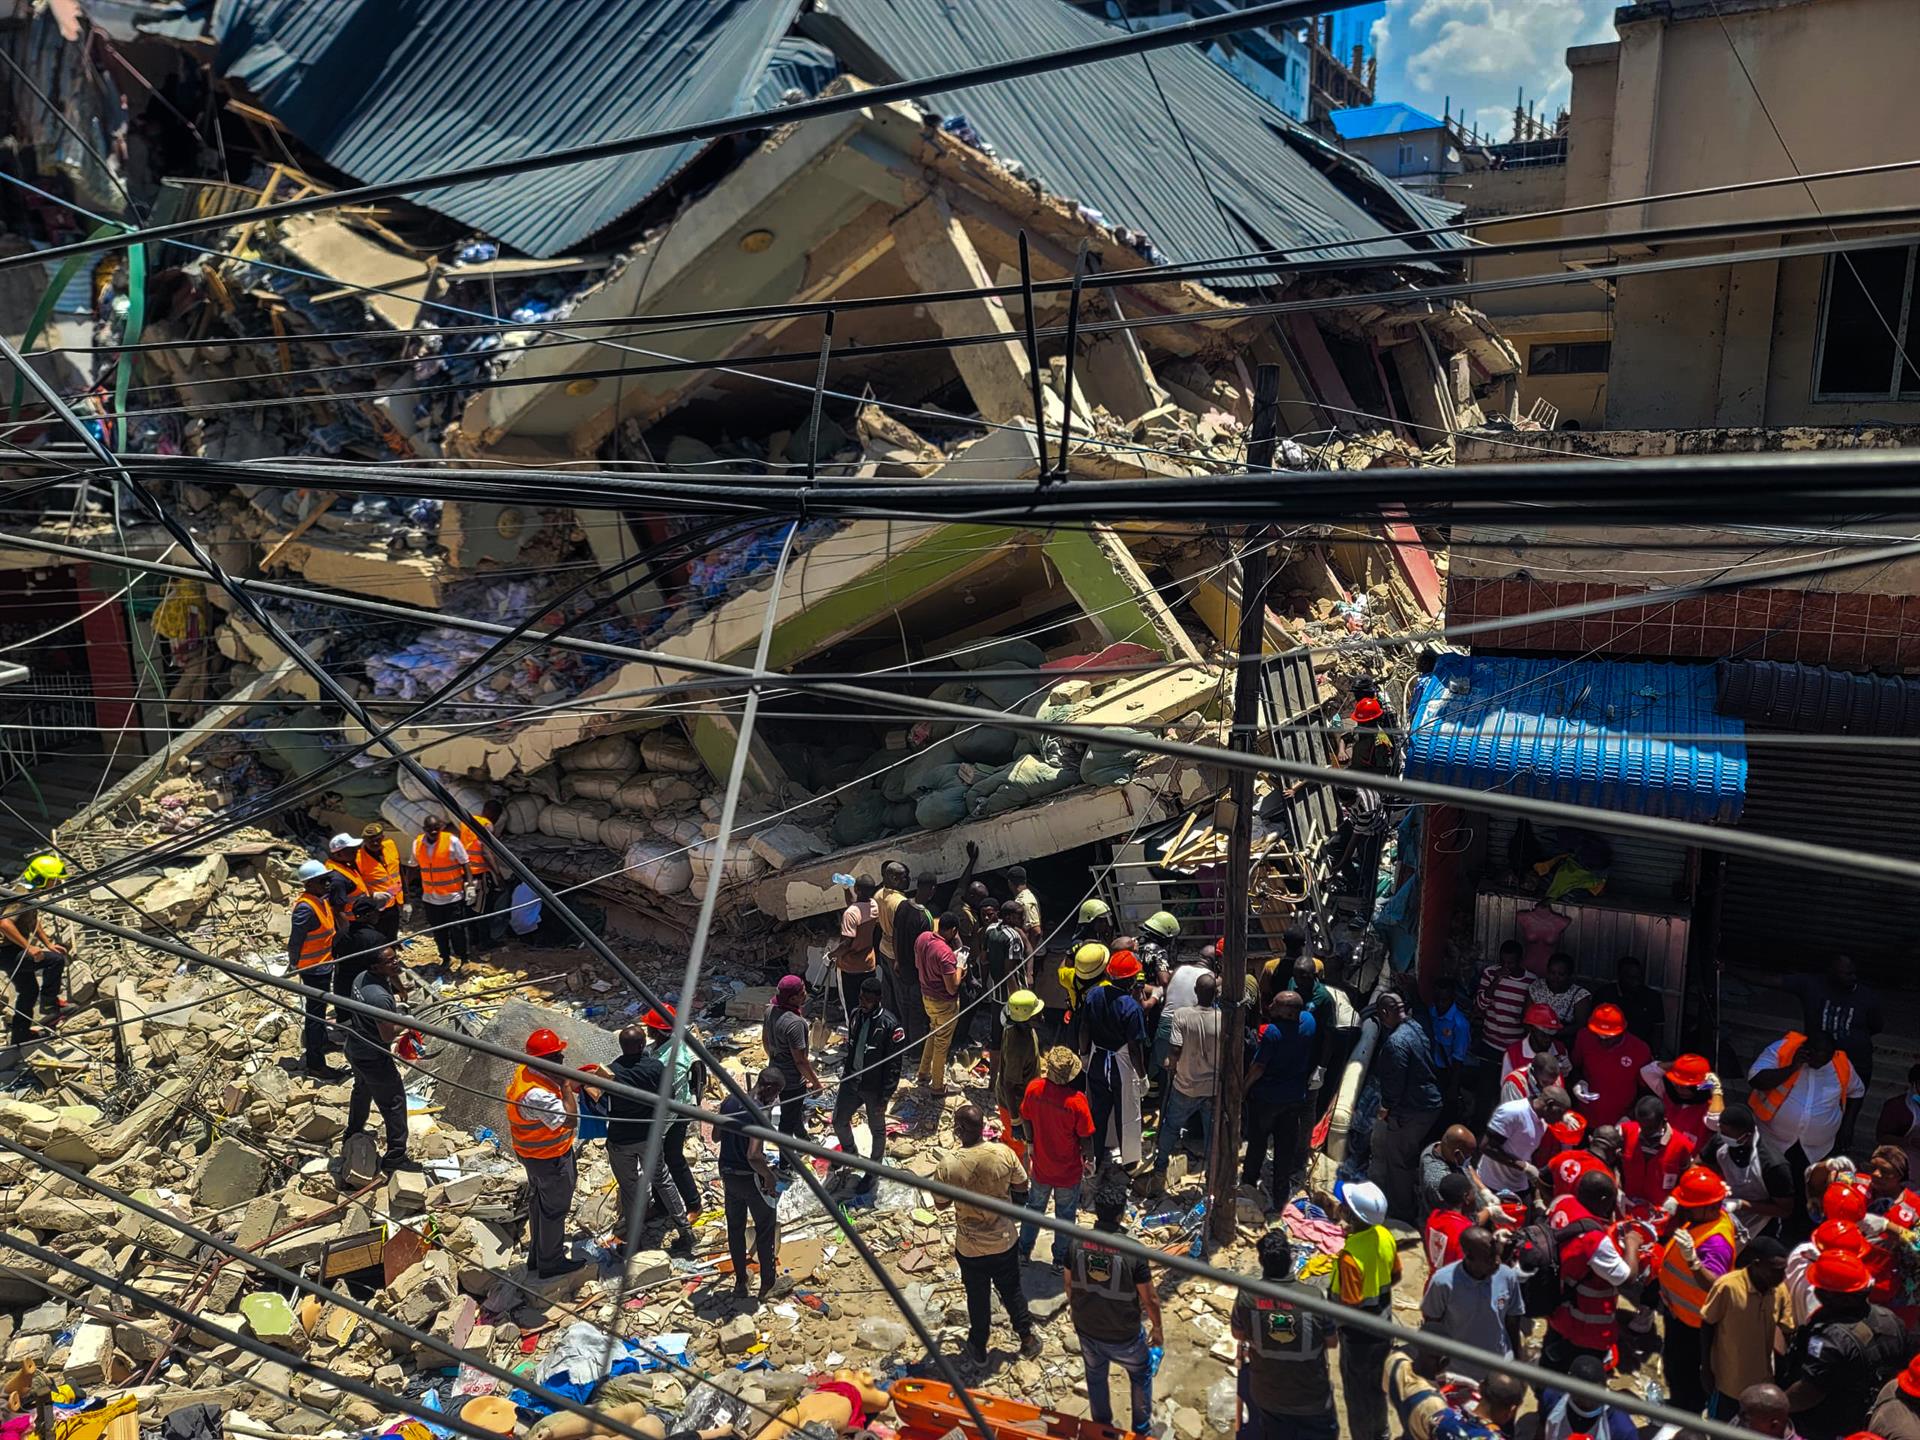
[1536,1252]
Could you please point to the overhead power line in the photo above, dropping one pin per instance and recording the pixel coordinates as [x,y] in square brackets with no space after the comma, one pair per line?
[1772,847]
[742,364]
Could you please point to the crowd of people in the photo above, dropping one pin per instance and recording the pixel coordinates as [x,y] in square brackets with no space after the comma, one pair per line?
[1620,1197]
[1566,1172]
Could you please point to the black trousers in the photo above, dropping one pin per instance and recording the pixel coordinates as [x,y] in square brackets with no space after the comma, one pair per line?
[746,1203]
[550,1187]
[673,1157]
[1680,1355]
[1285,1128]
[793,1120]
[847,1102]
[449,926]
[314,1039]
[24,975]
[983,1275]
[376,1081]
[904,1001]
[1363,1384]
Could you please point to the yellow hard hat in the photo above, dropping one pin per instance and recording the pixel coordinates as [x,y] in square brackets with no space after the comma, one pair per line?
[1023,1005]
[1090,960]
[45,870]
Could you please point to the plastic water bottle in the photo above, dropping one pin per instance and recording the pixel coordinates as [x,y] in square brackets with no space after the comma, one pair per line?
[1155,1354]
[1198,1216]
[846,880]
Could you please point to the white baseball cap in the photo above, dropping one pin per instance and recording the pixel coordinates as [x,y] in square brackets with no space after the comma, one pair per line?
[343,841]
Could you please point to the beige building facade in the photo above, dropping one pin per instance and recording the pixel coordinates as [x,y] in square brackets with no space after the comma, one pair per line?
[1695,95]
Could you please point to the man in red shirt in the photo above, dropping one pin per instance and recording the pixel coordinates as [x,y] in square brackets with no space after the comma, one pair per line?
[1593,1267]
[1600,1154]
[1655,1154]
[1606,1066]
[1448,1221]
[1059,1145]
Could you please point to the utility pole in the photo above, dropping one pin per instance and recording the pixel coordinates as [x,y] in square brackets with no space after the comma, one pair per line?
[1256,569]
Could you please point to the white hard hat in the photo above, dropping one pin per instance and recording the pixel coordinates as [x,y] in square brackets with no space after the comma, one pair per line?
[1366,1200]
[343,841]
[310,870]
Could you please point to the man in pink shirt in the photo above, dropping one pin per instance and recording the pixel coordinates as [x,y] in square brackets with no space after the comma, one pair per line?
[1606,1066]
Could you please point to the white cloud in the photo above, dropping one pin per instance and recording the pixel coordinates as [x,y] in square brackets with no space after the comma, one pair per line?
[1481,53]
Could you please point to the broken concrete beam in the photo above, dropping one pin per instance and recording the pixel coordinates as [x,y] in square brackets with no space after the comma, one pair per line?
[304,1247]
[261,1219]
[407,1193]
[228,1174]
[649,1267]
[738,1335]
[66,1215]
[89,1362]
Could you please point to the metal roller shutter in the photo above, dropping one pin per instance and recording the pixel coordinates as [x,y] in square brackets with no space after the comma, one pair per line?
[1778,916]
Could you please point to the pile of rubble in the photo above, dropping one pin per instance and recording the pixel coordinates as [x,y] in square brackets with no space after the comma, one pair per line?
[182,1087]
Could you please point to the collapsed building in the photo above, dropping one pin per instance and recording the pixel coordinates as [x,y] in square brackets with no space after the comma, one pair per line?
[479,327]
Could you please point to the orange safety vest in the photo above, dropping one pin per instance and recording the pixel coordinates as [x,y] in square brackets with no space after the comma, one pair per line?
[1684,1294]
[477,862]
[355,885]
[533,1137]
[382,875]
[440,873]
[317,947]
[1766,1106]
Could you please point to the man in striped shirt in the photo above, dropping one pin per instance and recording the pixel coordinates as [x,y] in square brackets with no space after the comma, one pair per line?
[1500,1004]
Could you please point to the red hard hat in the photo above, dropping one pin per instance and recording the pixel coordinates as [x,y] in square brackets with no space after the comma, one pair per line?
[1839,1235]
[660,1020]
[1541,1017]
[1910,1378]
[1689,1070]
[1607,1021]
[1844,1202]
[1367,708]
[1700,1186]
[545,1042]
[1569,1129]
[1123,966]
[1841,1272]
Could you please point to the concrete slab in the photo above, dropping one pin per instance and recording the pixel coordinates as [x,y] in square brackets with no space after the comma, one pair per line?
[468,1070]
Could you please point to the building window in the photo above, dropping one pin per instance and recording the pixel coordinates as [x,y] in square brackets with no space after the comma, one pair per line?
[1867,326]
[1406,157]
[1587,357]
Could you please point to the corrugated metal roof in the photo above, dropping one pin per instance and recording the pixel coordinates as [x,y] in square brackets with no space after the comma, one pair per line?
[1100,135]
[1363,122]
[1815,698]
[1581,732]
[390,88]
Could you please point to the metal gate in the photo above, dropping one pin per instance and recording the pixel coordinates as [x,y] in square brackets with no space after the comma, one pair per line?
[1778,916]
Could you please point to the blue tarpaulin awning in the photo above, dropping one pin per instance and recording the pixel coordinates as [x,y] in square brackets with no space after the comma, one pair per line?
[1586,732]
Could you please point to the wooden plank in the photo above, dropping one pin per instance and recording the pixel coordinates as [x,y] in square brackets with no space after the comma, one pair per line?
[322,502]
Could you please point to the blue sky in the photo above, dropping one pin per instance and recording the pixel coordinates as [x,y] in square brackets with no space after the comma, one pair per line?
[1479,52]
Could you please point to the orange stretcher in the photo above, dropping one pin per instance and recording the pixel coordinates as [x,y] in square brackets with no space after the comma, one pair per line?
[930,1409]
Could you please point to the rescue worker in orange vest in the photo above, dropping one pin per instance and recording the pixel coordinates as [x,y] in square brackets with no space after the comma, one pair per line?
[318,914]
[486,879]
[1699,1250]
[378,861]
[543,1115]
[1801,1087]
[442,863]
[351,957]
